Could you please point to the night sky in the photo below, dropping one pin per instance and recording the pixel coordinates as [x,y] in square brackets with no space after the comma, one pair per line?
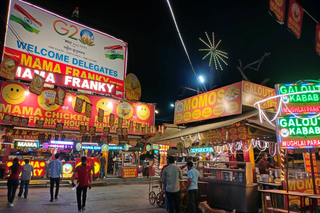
[157,57]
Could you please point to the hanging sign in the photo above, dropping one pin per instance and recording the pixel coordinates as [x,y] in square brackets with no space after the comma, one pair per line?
[92,130]
[83,129]
[111,120]
[8,67]
[24,122]
[36,84]
[78,105]
[16,120]
[60,96]
[39,123]
[106,130]
[100,115]
[132,87]
[278,7]
[295,15]
[318,39]
[59,127]
[88,110]
[120,122]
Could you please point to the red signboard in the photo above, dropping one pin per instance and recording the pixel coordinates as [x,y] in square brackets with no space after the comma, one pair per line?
[129,172]
[307,164]
[15,99]
[295,15]
[68,169]
[38,165]
[279,8]
[318,39]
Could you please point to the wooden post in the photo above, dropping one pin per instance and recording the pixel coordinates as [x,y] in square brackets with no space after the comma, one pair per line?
[312,173]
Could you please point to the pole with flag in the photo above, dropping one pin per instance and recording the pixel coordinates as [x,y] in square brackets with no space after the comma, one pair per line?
[75,13]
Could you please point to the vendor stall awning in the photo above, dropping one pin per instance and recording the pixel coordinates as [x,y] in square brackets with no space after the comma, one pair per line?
[192,130]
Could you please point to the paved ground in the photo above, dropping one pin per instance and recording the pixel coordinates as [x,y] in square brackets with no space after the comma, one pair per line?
[113,198]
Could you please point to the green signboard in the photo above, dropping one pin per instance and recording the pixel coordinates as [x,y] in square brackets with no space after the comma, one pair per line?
[302,98]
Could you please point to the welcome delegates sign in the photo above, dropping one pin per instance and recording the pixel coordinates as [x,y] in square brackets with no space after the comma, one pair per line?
[48,42]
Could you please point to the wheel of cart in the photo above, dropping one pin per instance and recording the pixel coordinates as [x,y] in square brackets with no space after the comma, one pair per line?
[153,196]
[161,199]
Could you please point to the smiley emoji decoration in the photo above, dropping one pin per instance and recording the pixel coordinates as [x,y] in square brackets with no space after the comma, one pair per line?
[8,67]
[143,112]
[13,94]
[59,127]
[37,83]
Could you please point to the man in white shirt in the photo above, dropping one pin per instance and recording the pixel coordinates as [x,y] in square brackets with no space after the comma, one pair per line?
[171,175]
[25,178]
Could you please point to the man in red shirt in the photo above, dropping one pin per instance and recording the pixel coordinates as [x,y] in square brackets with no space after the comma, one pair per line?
[264,165]
[84,180]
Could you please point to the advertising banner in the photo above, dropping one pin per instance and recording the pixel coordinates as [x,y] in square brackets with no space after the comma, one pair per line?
[251,93]
[132,87]
[318,39]
[68,168]
[129,172]
[235,132]
[8,67]
[220,102]
[38,165]
[278,7]
[295,15]
[74,50]
[307,164]
[302,98]
[302,132]
[16,100]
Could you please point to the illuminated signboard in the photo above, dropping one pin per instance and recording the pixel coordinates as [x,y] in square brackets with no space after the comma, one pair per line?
[115,147]
[155,146]
[38,165]
[74,50]
[89,147]
[300,98]
[61,144]
[303,132]
[26,144]
[201,150]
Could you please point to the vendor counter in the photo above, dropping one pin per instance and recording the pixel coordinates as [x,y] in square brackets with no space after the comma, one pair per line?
[230,185]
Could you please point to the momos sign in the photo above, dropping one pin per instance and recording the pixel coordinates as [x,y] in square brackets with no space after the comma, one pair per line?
[220,102]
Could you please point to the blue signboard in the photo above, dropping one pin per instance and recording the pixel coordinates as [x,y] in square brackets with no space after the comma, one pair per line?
[201,150]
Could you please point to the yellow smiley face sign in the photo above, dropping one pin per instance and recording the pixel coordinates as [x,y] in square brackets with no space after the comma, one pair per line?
[106,105]
[125,110]
[13,94]
[143,112]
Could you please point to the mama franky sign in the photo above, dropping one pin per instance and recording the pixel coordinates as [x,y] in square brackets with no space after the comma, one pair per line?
[74,50]
[26,144]
[299,123]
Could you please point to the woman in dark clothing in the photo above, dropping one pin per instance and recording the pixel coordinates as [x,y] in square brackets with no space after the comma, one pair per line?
[13,180]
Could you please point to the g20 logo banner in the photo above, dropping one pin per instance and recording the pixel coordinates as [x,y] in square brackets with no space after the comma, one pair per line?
[48,42]
[15,99]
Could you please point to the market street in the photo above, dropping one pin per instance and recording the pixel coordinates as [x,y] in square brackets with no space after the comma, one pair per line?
[116,198]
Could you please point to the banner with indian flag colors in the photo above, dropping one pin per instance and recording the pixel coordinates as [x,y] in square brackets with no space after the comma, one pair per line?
[295,15]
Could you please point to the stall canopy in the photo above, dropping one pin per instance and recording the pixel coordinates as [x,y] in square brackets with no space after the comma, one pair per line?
[175,135]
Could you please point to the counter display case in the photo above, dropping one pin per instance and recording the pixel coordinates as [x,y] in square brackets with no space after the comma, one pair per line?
[230,185]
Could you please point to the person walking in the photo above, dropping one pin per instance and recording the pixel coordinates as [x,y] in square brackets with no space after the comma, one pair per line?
[26,176]
[103,163]
[171,176]
[192,187]
[13,180]
[55,170]
[84,180]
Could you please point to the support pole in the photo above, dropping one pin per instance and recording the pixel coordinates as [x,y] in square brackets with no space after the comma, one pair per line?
[287,174]
[312,173]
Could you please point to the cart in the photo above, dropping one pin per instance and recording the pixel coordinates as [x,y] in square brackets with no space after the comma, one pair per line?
[154,196]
